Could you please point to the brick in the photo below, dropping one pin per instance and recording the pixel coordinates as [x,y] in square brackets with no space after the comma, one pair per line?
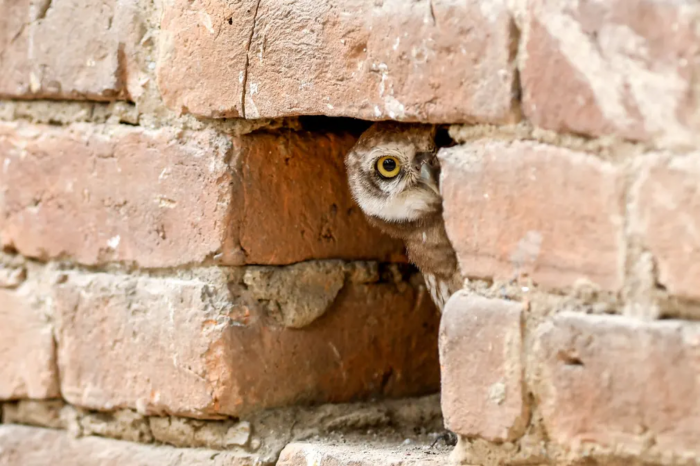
[619,382]
[203,55]
[435,61]
[482,375]
[665,215]
[515,209]
[27,353]
[623,67]
[296,202]
[33,446]
[67,49]
[121,344]
[359,454]
[158,198]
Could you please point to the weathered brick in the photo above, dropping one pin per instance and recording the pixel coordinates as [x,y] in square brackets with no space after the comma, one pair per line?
[27,354]
[158,198]
[205,347]
[620,382]
[621,67]
[359,454]
[435,61]
[482,374]
[202,58]
[524,208]
[35,446]
[665,215]
[70,49]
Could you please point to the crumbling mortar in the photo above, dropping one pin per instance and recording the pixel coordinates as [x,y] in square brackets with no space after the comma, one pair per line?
[66,113]
[269,431]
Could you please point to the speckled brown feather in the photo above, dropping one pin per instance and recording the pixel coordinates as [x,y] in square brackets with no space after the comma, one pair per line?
[426,240]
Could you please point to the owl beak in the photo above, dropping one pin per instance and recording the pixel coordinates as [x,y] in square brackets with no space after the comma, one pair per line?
[429,174]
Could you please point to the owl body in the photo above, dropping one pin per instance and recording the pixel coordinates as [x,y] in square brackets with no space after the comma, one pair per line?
[393,174]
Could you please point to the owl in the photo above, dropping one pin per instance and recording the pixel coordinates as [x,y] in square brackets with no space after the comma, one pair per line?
[393,172]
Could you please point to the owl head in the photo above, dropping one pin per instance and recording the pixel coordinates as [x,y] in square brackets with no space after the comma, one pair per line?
[393,172]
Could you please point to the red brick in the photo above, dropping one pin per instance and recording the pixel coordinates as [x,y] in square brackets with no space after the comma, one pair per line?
[482,375]
[34,446]
[621,67]
[27,354]
[202,56]
[68,49]
[620,383]
[160,198]
[359,454]
[434,61]
[186,346]
[524,208]
[665,214]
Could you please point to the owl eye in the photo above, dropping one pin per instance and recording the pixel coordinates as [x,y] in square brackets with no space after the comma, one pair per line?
[388,167]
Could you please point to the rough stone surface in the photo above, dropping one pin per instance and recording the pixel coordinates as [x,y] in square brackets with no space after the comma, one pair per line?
[620,382]
[120,345]
[482,374]
[35,446]
[160,198]
[68,49]
[665,215]
[524,209]
[437,61]
[27,354]
[622,67]
[360,454]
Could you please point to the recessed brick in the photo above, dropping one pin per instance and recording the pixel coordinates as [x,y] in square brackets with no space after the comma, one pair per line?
[67,49]
[482,374]
[665,215]
[621,67]
[516,209]
[31,445]
[209,346]
[27,353]
[433,61]
[360,454]
[620,382]
[158,198]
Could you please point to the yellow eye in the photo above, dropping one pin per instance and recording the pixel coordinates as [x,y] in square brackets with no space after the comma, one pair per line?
[388,166]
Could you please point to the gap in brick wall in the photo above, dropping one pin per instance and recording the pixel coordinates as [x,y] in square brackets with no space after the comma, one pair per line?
[354,126]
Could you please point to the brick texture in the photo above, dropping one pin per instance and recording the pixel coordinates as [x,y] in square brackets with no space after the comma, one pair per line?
[665,215]
[482,374]
[68,49]
[619,382]
[203,55]
[622,67]
[27,354]
[121,343]
[359,454]
[35,446]
[434,61]
[529,209]
[159,198]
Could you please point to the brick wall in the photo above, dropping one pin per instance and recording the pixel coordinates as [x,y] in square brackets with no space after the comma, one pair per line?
[185,278]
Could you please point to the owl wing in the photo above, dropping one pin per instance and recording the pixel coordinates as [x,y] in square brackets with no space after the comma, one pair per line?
[440,289]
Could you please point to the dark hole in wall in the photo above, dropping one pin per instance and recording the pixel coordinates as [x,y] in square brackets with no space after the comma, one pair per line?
[318,123]
[324,123]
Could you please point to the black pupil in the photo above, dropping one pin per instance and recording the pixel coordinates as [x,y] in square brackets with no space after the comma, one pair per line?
[389,165]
